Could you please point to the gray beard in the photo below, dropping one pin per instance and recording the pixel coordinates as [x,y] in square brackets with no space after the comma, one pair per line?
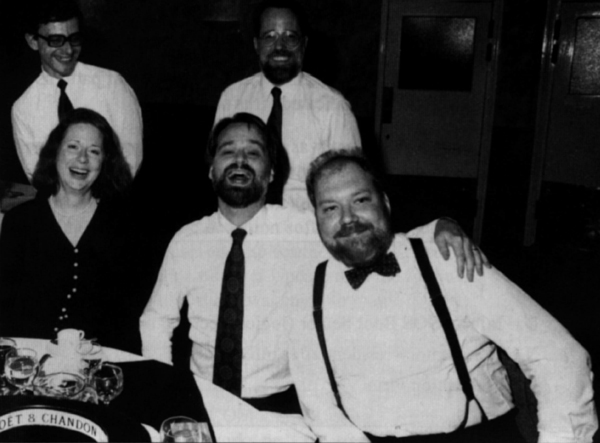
[364,251]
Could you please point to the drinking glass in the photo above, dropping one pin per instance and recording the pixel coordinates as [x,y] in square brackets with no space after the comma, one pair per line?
[91,353]
[184,429]
[59,385]
[21,367]
[6,345]
[108,382]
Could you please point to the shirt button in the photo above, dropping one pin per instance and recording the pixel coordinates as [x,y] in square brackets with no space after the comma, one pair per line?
[76,250]
[74,290]
[75,277]
[69,296]
[75,264]
[55,329]
[64,309]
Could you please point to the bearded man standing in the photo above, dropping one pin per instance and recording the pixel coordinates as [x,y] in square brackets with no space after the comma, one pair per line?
[309,116]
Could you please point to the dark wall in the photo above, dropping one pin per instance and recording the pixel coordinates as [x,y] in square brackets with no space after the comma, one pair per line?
[172,56]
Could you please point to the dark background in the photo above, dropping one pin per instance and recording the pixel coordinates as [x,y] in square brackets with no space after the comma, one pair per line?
[178,62]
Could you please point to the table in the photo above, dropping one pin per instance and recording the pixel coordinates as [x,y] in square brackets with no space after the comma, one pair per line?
[232,419]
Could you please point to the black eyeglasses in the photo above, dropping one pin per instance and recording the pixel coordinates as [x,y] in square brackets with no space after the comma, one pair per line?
[58,40]
[290,39]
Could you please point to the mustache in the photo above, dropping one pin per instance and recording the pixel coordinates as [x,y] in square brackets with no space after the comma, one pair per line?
[281,52]
[353,228]
[233,168]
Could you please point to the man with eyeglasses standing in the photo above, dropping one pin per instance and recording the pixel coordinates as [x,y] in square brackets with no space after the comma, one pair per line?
[54,31]
[309,116]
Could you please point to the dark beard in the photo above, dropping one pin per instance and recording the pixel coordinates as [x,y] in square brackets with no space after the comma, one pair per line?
[236,196]
[359,252]
[279,75]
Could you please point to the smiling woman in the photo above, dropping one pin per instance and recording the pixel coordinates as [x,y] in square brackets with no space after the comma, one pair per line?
[66,257]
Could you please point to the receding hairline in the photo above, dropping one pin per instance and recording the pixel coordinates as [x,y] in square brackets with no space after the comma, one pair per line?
[249,125]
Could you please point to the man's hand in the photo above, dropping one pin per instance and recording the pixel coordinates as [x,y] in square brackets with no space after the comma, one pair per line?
[448,234]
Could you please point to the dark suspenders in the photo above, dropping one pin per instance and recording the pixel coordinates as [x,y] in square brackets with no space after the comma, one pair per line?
[441,309]
[318,316]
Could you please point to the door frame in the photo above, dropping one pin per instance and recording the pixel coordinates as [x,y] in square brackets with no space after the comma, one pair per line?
[489,95]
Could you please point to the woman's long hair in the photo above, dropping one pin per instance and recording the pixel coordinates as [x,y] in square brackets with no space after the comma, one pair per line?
[114,177]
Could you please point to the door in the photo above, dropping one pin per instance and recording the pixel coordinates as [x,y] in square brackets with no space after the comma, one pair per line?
[567,145]
[436,90]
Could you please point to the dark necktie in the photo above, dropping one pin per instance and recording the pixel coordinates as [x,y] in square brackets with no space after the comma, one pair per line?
[386,266]
[227,371]
[282,166]
[64,104]
[276,117]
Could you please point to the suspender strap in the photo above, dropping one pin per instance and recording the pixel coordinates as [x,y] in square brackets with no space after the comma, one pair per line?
[319,283]
[441,309]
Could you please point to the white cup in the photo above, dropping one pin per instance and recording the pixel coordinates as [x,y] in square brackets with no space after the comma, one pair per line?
[70,337]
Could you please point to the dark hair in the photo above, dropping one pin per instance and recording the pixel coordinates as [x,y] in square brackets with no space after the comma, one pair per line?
[292,5]
[336,160]
[115,175]
[268,135]
[48,11]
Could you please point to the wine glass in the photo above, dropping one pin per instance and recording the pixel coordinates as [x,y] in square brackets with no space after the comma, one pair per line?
[184,429]
[20,367]
[59,385]
[6,345]
[91,353]
[108,382]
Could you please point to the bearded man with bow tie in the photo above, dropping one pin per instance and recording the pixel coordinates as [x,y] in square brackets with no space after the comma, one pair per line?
[398,348]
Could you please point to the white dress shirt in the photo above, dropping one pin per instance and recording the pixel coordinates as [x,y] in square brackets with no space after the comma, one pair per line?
[280,249]
[394,369]
[316,118]
[35,115]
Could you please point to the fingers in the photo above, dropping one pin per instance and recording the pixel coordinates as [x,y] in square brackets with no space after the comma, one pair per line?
[486,262]
[478,255]
[469,251]
[460,263]
[444,250]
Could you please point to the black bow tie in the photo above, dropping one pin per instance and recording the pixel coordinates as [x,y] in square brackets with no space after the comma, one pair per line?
[386,266]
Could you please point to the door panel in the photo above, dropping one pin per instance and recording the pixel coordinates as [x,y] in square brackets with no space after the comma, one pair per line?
[436,65]
[573,138]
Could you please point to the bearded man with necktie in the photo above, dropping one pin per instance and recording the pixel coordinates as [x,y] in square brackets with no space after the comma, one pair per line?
[310,116]
[242,271]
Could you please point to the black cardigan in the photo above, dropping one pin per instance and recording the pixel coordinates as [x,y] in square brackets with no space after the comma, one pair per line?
[46,284]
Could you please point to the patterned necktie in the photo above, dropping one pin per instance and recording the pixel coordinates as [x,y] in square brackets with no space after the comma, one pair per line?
[64,104]
[386,266]
[276,117]
[227,371]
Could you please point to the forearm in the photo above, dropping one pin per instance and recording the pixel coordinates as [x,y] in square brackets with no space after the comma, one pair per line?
[156,331]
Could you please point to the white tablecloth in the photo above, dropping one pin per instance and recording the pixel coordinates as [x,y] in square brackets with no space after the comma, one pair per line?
[233,420]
